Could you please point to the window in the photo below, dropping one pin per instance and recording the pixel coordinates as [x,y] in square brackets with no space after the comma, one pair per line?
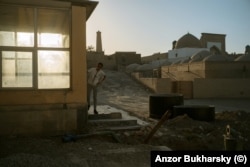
[53,69]
[16,69]
[16,26]
[34,47]
[53,28]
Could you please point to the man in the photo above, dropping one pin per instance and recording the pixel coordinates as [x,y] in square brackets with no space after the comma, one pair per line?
[95,77]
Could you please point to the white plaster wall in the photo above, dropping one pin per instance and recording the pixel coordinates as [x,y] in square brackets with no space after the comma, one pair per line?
[217,44]
[184,52]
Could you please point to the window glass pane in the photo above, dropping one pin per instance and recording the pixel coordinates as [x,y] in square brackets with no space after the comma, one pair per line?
[17,29]
[16,69]
[16,26]
[25,39]
[53,28]
[53,69]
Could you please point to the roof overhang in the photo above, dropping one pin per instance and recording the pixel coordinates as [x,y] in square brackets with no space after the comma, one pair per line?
[90,5]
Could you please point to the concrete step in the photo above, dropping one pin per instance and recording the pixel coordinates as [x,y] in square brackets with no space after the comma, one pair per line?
[123,128]
[115,115]
[112,122]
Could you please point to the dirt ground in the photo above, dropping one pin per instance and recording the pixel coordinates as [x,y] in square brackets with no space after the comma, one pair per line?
[182,132]
[120,91]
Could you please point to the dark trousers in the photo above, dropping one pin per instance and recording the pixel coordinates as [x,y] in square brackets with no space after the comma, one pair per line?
[91,89]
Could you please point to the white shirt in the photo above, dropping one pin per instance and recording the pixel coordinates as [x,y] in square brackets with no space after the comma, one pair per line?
[95,76]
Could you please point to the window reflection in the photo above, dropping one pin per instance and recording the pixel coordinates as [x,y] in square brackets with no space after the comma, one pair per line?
[25,39]
[51,40]
[17,32]
[16,69]
[16,26]
[53,28]
[53,69]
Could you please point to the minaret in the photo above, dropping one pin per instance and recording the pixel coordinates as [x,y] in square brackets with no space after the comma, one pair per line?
[98,42]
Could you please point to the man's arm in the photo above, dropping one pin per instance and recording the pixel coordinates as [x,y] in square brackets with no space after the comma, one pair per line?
[104,77]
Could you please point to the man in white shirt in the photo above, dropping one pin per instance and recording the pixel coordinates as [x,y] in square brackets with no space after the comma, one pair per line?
[95,77]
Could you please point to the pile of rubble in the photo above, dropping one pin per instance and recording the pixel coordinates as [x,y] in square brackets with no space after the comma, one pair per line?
[184,133]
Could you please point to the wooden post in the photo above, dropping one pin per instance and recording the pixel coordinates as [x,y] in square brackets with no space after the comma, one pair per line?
[157,126]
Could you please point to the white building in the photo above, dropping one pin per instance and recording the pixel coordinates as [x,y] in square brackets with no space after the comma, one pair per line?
[186,46]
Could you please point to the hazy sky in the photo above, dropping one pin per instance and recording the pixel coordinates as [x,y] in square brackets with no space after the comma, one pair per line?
[150,26]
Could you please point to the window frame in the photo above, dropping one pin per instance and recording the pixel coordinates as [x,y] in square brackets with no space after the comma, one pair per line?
[34,49]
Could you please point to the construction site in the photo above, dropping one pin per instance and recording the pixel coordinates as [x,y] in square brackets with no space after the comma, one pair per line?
[194,97]
[121,134]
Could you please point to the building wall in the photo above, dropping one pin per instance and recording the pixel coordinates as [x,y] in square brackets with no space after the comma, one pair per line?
[124,59]
[95,57]
[79,64]
[200,87]
[190,71]
[38,122]
[184,72]
[109,62]
[116,61]
[183,52]
[78,74]
[229,69]
[183,87]
[158,85]
[217,38]
[198,69]
[204,79]
[221,88]
[154,57]
[51,111]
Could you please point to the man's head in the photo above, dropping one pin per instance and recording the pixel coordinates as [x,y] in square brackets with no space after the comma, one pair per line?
[99,66]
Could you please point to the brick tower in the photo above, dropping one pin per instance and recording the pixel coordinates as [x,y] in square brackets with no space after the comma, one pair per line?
[98,42]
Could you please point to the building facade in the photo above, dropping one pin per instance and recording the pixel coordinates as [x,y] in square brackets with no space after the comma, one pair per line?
[188,45]
[43,65]
[116,61]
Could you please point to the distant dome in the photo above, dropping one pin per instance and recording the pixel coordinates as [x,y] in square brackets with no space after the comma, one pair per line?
[166,63]
[199,56]
[131,67]
[176,62]
[188,41]
[185,60]
[155,65]
[144,67]
[243,58]
[159,63]
[216,57]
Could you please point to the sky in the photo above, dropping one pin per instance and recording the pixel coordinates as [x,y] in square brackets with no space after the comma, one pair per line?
[150,26]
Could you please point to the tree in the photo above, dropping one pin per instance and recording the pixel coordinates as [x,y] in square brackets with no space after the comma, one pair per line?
[90,48]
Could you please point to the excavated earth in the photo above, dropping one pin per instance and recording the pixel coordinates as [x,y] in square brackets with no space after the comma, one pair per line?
[122,92]
[182,132]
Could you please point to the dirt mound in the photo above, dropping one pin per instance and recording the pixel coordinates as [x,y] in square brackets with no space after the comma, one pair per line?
[120,91]
[184,133]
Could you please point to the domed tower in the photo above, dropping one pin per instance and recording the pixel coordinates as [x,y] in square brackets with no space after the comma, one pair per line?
[188,41]
[185,47]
